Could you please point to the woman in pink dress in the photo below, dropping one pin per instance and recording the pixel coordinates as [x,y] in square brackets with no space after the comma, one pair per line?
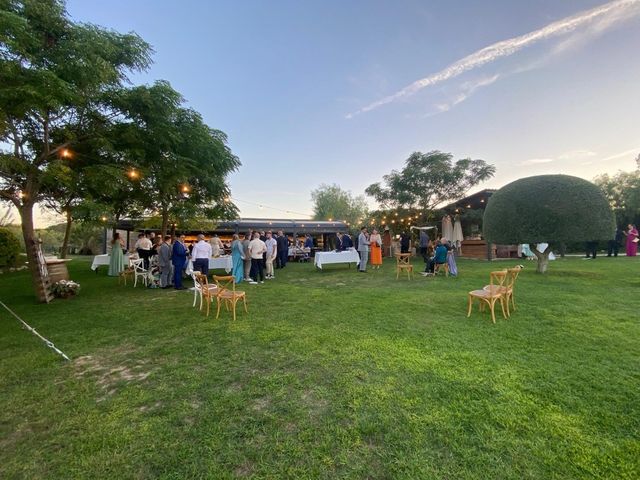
[632,241]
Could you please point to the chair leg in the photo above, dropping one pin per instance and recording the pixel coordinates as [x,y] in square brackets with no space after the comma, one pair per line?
[195,298]
[470,305]
[244,301]
[208,304]
[218,312]
[502,302]
[234,308]
[492,306]
[397,273]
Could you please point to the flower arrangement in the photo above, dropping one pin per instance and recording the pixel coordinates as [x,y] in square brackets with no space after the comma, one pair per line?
[65,288]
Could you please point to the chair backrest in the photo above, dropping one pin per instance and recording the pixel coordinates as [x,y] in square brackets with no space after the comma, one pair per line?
[138,265]
[512,276]
[498,278]
[225,282]
[199,281]
[403,259]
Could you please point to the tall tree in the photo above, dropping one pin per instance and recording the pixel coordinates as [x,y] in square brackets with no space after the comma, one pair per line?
[623,192]
[428,180]
[333,202]
[181,163]
[54,74]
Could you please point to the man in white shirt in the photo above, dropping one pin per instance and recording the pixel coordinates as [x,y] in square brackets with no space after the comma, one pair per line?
[216,246]
[143,247]
[200,255]
[272,252]
[256,249]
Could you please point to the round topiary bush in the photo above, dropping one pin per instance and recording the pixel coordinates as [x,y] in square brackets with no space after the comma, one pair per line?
[548,208]
[9,249]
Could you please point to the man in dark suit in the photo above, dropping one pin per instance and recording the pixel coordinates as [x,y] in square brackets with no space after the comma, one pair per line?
[614,244]
[344,242]
[179,260]
[282,244]
[164,261]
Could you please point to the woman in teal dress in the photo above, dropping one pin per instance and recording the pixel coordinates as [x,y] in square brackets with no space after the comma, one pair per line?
[237,257]
[116,260]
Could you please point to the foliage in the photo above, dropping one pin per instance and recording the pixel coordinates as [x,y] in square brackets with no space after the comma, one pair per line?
[557,209]
[55,79]
[65,288]
[180,163]
[341,375]
[10,249]
[623,192]
[332,202]
[428,180]
[6,217]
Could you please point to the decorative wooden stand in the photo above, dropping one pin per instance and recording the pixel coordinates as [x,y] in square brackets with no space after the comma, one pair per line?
[57,270]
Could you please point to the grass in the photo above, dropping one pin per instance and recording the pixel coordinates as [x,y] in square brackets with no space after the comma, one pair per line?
[332,374]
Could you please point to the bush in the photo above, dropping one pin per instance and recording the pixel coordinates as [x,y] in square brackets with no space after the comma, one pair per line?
[9,249]
[548,208]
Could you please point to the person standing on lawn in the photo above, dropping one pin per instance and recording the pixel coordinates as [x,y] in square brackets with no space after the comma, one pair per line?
[143,247]
[614,244]
[363,249]
[247,255]
[237,258]
[201,254]
[375,244]
[272,252]
[283,249]
[179,254]
[164,261]
[632,240]
[257,249]
[116,259]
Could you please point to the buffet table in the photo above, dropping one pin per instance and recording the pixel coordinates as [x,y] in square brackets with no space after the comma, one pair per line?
[325,258]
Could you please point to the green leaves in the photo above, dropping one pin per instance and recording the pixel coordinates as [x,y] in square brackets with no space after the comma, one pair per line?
[429,179]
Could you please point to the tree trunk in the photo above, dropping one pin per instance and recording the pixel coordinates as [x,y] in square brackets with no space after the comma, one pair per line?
[29,235]
[543,259]
[67,234]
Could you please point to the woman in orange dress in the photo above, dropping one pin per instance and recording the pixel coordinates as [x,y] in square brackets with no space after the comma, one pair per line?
[376,249]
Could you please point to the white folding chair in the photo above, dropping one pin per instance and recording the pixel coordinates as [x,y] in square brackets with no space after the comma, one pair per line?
[139,271]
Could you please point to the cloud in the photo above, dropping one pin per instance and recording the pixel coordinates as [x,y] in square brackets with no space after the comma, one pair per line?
[466,90]
[633,151]
[537,161]
[573,154]
[611,12]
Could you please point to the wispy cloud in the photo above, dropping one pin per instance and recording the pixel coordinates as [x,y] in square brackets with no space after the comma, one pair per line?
[537,161]
[614,12]
[466,90]
[573,154]
[626,153]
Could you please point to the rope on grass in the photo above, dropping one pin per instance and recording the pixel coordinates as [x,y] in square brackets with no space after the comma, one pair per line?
[48,343]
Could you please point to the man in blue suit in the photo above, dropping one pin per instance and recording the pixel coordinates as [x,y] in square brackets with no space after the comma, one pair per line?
[179,260]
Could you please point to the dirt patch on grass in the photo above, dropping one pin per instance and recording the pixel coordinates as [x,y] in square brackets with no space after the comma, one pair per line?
[244,470]
[112,369]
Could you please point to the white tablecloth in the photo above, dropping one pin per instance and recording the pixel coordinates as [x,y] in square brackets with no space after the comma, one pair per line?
[224,262]
[104,260]
[324,258]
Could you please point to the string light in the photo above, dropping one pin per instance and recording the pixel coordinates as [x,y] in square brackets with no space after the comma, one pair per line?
[133,174]
[185,188]
[103,218]
[66,153]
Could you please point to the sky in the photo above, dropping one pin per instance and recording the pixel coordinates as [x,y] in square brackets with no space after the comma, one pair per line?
[343,92]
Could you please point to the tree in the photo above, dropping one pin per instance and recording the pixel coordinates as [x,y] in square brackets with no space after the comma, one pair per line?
[623,192]
[428,180]
[55,76]
[330,202]
[181,164]
[554,209]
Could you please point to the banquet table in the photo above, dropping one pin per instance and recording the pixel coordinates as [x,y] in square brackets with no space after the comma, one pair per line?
[223,262]
[104,260]
[325,258]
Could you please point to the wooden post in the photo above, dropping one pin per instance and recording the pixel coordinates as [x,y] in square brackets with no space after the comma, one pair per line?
[43,288]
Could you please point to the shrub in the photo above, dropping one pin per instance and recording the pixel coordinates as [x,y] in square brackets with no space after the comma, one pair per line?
[9,249]
[548,208]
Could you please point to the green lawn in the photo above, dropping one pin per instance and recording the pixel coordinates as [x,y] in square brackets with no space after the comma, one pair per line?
[332,374]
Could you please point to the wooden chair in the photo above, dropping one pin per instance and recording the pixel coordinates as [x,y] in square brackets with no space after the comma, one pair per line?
[491,295]
[228,294]
[403,263]
[507,289]
[441,267]
[203,289]
[128,272]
